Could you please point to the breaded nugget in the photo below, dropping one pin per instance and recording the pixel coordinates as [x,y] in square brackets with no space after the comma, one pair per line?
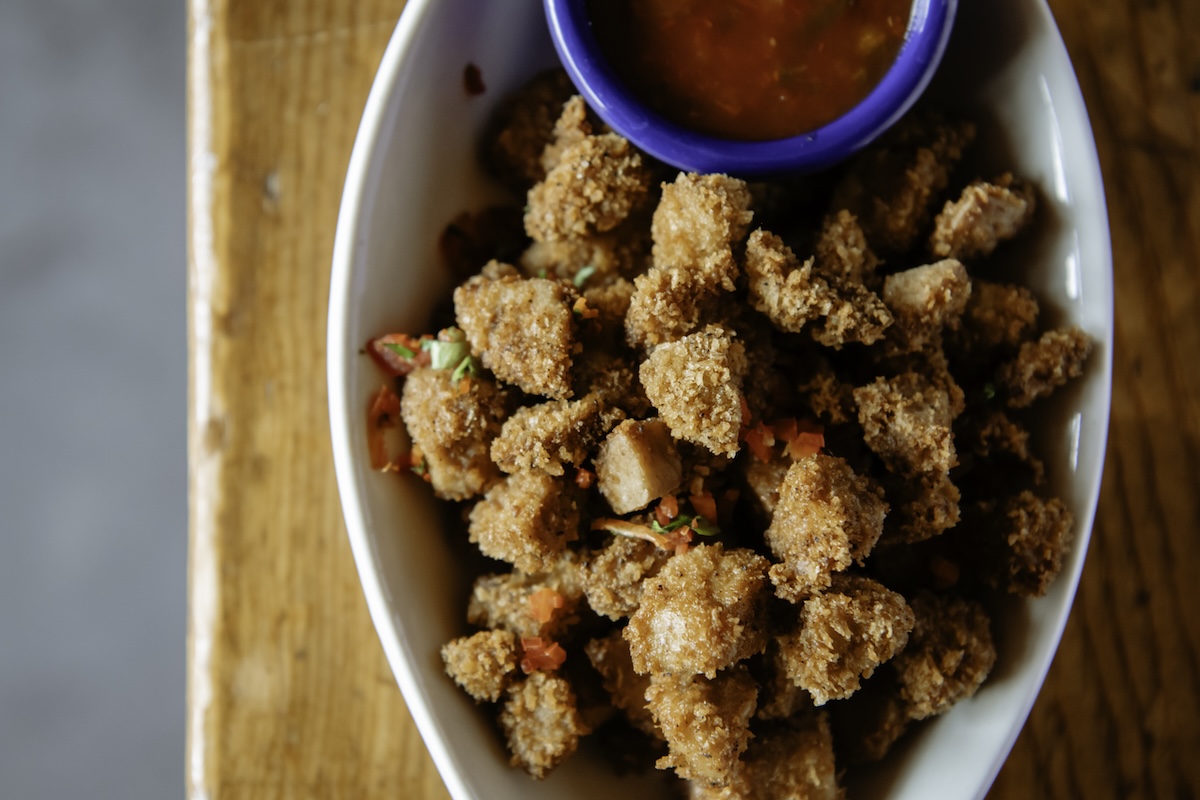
[670,302]
[626,688]
[893,186]
[522,126]
[697,217]
[637,464]
[826,519]
[845,633]
[696,385]
[612,377]
[702,612]
[998,318]
[523,330]
[548,436]
[787,762]
[985,215]
[866,725]
[615,572]
[829,398]
[949,654]
[792,295]
[597,182]
[482,664]
[706,722]
[607,256]
[571,128]
[907,421]
[843,253]
[924,301]
[764,479]
[541,722]
[923,507]
[778,697]
[454,429]
[502,601]
[525,519]
[1042,366]
[1035,535]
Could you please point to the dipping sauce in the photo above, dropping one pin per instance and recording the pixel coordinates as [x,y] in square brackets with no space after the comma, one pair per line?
[750,69]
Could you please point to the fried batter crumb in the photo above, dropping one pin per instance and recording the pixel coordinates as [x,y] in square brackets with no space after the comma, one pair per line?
[1042,366]
[949,654]
[1036,534]
[845,634]
[826,519]
[522,127]
[502,601]
[702,612]
[541,722]
[699,215]
[626,688]
[695,383]
[571,128]
[548,436]
[637,464]
[792,762]
[706,722]
[907,422]
[843,253]
[985,215]
[615,574]
[923,507]
[482,663]
[924,301]
[526,519]
[998,318]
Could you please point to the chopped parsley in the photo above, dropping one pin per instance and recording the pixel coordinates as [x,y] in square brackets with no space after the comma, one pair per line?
[400,350]
[582,276]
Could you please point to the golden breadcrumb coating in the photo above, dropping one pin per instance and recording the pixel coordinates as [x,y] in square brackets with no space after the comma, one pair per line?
[924,301]
[829,398]
[525,519]
[842,251]
[482,664]
[998,318]
[541,722]
[922,507]
[907,421]
[597,182]
[612,376]
[949,654]
[523,330]
[671,302]
[607,255]
[698,216]
[548,436]
[706,722]
[1036,535]
[778,697]
[893,186]
[521,128]
[845,634]
[826,519]
[792,762]
[983,216]
[454,429]
[1042,366]
[637,464]
[866,725]
[502,601]
[763,479]
[615,573]
[571,128]
[702,612]
[695,383]
[626,688]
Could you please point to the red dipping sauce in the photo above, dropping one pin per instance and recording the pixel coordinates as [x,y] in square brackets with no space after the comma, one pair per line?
[750,69]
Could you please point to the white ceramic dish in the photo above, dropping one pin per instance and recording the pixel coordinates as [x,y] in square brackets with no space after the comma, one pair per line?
[413,168]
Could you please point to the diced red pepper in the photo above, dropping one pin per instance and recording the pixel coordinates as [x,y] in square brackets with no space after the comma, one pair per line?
[382,414]
[387,351]
[705,505]
[541,654]
[544,602]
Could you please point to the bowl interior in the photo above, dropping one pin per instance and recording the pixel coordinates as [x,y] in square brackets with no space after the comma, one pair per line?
[414,168]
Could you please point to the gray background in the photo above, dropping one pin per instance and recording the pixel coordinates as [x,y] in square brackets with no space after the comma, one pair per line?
[93,367]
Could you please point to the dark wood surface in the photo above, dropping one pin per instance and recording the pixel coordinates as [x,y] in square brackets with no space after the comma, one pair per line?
[289,694]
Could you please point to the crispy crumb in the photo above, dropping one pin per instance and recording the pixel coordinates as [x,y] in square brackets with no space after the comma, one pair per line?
[626,688]
[699,215]
[924,301]
[548,436]
[502,600]
[541,722]
[998,318]
[1036,534]
[1042,366]
[526,519]
[985,215]
[522,127]
[482,664]
[907,422]
[615,574]
[706,722]
[949,654]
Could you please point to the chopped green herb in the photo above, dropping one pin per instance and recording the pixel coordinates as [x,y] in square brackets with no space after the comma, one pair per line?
[989,391]
[703,527]
[678,522]
[468,366]
[420,468]
[400,350]
[542,273]
[583,274]
[448,350]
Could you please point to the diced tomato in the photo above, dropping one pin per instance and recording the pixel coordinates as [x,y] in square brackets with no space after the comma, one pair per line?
[667,509]
[585,478]
[805,444]
[383,414]
[759,439]
[705,505]
[786,429]
[388,352]
[544,602]
[541,654]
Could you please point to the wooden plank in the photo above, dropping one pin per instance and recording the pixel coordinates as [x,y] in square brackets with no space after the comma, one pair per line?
[289,694]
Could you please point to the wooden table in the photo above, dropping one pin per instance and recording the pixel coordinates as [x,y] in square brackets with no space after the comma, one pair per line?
[289,695]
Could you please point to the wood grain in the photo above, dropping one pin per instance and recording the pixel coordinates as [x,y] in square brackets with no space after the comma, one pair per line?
[289,694]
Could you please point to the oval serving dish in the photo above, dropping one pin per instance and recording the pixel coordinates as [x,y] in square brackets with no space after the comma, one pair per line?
[414,167]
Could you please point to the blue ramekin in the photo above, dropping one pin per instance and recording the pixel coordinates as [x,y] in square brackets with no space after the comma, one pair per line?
[924,43]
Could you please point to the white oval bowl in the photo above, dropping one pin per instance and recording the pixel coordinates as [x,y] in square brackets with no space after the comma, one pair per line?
[414,167]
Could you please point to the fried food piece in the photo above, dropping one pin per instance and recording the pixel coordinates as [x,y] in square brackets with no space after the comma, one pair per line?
[844,635]
[612,377]
[671,302]
[615,574]
[843,253]
[637,464]
[792,762]
[706,722]
[1035,534]
[923,507]
[893,186]
[699,215]
[523,330]
[985,215]
[778,697]
[548,436]
[829,398]
[626,688]
[695,383]
[482,664]
[907,422]
[502,601]
[949,654]
[997,319]
[826,519]
[1042,366]
[522,127]
[541,722]
[764,479]
[866,725]
[702,612]
[597,182]
[571,128]
[792,295]
[526,519]
[924,301]
[454,429]
[607,255]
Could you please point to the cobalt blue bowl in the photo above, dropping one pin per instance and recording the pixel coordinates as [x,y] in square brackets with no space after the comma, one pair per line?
[925,40]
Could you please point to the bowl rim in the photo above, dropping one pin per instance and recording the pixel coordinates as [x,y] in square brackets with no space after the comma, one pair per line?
[925,40]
